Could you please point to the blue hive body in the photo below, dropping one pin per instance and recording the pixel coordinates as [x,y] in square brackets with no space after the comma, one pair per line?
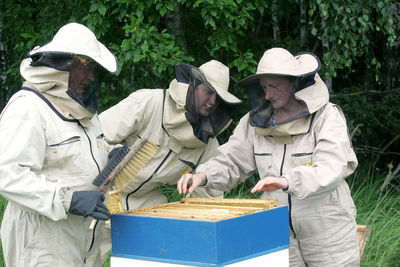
[199,242]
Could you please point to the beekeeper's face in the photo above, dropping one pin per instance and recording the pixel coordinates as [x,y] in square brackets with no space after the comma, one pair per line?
[81,74]
[278,90]
[85,77]
[207,100]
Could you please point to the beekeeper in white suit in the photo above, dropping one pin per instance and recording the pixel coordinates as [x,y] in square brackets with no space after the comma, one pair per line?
[183,121]
[53,149]
[300,144]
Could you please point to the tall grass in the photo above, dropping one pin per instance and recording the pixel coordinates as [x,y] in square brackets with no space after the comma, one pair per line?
[378,209]
[3,204]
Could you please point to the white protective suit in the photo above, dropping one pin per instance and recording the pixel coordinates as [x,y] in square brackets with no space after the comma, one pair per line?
[315,155]
[46,155]
[158,115]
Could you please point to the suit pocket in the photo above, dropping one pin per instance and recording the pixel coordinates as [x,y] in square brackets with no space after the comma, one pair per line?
[301,159]
[264,163]
[64,152]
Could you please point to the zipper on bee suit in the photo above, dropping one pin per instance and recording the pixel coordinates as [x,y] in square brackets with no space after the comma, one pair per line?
[148,179]
[289,196]
[98,169]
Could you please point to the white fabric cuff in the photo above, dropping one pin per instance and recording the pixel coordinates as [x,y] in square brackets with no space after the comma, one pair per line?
[66,196]
[290,188]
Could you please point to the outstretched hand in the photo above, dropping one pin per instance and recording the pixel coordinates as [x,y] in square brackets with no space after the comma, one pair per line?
[189,182]
[270,183]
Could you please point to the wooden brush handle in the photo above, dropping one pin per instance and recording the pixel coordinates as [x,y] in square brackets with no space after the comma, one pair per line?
[104,187]
[133,150]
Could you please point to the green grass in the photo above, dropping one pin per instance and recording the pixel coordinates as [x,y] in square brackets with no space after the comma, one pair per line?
[378,209]
[3,204]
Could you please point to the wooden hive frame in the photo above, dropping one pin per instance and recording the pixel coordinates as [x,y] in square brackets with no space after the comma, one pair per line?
[363,232]
[206,209]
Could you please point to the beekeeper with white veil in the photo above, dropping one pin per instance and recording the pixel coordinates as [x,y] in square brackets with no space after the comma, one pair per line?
[53,148]
[299,143]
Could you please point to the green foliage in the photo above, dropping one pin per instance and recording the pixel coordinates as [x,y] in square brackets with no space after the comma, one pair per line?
[372,115]
[380,211]
[357,42]
[346,28]
[3,205]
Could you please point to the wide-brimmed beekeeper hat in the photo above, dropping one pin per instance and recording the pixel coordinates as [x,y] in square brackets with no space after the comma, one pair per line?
[76,39]
[279,61]
[216,76]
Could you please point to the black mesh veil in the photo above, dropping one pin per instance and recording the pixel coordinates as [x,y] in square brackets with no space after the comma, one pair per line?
[204,127]
[58,61]
[85,75]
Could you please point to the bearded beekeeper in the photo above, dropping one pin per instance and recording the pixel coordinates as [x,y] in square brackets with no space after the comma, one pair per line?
[300,145]
[53,149]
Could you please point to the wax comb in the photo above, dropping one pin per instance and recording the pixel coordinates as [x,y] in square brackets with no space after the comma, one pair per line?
[114,203]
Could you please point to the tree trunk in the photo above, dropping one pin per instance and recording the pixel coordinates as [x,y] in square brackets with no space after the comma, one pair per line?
[325,50]
[391,62]
[275,22]
[3,87]
[303,25]
[174,24]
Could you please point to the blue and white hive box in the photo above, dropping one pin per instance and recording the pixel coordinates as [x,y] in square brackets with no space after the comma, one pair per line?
[202,232]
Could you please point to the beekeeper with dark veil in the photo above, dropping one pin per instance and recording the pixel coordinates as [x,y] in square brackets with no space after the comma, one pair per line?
[183,122]
[53,148]
[300,145]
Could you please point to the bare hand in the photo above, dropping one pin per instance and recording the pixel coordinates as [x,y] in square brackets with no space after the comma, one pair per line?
[270,183]
[189,182]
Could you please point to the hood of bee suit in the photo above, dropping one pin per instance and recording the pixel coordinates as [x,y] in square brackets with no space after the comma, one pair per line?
[49,70]
[315,97]
[53,84]
[180,115]
[309,90]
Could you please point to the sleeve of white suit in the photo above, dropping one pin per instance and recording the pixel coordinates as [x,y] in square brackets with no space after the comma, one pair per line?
[234,162]
[333,158]
[23,144]
[210,151]
[126,117]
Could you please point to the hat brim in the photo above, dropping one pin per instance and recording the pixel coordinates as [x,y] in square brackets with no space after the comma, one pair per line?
[308,64]
[106,59]
[223,94]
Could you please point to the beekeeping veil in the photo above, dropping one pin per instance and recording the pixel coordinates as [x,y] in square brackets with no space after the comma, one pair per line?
[215,75]
[184,126]
[309,88]
[70,67]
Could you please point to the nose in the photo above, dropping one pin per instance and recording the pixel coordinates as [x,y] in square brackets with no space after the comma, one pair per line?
[268,94]
[213,99]
[90,74]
